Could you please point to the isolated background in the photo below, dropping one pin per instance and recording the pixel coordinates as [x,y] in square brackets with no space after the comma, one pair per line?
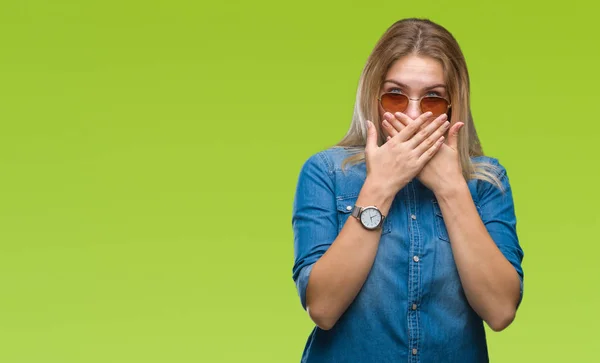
[149,152]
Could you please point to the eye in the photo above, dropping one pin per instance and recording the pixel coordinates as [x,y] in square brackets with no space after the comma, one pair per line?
[395,90]
[433,94]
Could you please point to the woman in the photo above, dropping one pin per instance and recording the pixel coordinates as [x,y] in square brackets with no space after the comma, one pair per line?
[404,232]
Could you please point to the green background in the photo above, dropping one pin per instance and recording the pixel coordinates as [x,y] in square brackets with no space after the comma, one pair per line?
[149,152]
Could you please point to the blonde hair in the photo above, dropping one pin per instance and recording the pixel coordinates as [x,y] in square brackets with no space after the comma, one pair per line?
[424,38]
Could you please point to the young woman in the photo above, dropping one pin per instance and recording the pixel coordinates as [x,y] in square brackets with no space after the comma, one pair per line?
[404,232]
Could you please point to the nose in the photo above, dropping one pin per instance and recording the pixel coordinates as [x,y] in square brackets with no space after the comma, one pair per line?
[413,110]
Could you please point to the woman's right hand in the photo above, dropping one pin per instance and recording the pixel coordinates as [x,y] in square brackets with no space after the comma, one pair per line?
[392,165]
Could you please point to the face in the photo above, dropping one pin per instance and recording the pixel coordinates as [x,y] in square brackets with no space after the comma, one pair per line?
[414,76]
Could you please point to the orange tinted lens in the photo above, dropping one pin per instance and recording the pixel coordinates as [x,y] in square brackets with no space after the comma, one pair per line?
[435,105]
[394,102]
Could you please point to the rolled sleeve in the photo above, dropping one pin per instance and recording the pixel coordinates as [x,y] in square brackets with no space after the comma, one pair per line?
[314,219]
[498,215]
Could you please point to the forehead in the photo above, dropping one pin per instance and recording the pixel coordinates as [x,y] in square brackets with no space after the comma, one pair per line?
[416,71]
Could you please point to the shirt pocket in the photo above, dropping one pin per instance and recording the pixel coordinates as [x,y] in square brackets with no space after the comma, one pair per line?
[439,224]
[344,210]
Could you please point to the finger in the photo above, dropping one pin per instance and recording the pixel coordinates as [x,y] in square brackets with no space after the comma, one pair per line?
[371,144]
[404,119]
[430,153]
[423,146]
[395,122]
[427,122]
[391,130]
[439,125]
[409,131]
[453,135]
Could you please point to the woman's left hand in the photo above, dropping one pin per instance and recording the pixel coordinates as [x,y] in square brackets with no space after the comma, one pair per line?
[444,169]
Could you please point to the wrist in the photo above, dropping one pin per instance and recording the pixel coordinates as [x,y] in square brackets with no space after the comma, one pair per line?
[451,189]
[376,194]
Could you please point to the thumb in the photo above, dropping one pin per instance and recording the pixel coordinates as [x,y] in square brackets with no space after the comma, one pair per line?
[453,135]
[371,144]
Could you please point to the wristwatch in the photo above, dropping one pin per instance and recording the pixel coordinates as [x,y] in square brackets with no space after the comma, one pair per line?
[370,217]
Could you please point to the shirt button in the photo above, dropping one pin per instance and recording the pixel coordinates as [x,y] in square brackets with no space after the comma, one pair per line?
[349,207]
[413,216]
[414,351]
[416,258]
[414,306]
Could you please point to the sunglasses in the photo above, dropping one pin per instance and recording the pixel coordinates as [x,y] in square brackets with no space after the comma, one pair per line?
[397,102]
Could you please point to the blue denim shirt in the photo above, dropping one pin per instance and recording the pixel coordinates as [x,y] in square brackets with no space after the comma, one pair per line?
[409,309]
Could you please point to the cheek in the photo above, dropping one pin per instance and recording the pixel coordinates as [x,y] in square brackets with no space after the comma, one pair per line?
[381,111]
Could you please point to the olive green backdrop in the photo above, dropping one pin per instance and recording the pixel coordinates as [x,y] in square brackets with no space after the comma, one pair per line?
[149,152]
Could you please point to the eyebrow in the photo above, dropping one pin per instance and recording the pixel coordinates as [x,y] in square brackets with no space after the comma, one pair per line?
[439,85]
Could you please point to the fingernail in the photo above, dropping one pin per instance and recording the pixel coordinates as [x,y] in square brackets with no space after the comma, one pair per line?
[385,123]
[388,115]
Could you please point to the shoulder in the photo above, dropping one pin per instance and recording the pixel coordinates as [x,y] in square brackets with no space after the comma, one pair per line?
[329,160]
[488,164]
[325,168]
[490,176]
[486,160]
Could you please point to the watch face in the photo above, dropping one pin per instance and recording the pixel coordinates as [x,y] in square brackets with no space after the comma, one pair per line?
[370,217]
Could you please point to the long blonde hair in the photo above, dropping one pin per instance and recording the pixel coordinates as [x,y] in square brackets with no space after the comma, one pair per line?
[424,38]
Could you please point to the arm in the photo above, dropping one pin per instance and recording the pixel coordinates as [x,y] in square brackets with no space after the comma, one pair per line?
[339,274]
[486,249]
[330,269]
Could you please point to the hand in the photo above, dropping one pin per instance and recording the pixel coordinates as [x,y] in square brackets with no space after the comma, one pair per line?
[402,157]
[444,168]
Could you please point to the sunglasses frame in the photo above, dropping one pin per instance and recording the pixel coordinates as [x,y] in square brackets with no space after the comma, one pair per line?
[413,99]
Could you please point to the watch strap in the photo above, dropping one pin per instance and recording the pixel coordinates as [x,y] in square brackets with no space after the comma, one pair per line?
[356,211]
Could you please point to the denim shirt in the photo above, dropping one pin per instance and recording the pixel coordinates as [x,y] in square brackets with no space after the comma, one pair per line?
[412,306]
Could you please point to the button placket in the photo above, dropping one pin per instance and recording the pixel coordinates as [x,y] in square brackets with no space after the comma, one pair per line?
[414,269]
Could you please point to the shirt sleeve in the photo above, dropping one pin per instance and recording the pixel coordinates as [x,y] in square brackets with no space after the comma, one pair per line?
[498,216]
[314,219]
